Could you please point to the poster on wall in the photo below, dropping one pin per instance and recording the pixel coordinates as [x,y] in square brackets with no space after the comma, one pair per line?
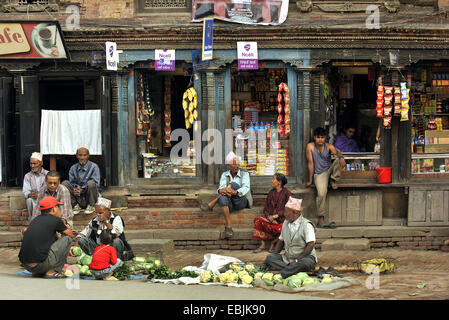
[247,56]
[165,60]
[260,12]
[32,40]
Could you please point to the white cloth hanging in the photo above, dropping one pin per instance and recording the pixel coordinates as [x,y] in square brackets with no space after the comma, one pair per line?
[63,131]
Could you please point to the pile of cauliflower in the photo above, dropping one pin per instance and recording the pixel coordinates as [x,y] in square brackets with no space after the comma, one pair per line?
[240,273]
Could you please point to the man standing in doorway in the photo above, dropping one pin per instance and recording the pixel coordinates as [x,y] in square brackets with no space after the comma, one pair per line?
[83,183]
[33,182]
[54,188]
[323,171]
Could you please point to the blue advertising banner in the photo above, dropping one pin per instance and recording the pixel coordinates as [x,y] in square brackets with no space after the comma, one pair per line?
[208,26]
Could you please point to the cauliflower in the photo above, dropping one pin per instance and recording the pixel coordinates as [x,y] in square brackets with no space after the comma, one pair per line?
[277,278]
[229,277]
[235,267]
[250,267]
[258,275]
[242,273]
[247,279]
[268,276]
[206,276]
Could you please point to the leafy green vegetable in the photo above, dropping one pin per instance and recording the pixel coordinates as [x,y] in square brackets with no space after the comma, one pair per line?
[159,272]
[123,272]
[184,273]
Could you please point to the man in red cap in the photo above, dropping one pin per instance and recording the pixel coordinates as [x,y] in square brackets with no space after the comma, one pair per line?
[41,253]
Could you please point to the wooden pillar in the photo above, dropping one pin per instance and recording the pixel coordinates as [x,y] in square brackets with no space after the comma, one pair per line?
[52,163]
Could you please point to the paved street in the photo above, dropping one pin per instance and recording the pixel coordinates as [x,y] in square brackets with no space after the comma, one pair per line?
[413,267]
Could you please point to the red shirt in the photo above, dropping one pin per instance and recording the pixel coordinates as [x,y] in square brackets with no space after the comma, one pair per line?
[103,257]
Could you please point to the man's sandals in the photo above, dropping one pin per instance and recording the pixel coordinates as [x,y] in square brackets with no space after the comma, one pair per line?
[55,275]
[205,207]
[228,232]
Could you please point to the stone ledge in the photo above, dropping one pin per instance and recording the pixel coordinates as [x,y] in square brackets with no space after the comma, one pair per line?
[10,237]
[151,245]
[346,244]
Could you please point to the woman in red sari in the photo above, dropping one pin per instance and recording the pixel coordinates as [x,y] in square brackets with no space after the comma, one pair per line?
[269,226]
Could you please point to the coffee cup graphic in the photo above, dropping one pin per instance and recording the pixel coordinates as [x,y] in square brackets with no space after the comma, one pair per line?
[46,37]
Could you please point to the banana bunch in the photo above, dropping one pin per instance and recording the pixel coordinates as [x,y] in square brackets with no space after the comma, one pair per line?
[189,104]
[376,265]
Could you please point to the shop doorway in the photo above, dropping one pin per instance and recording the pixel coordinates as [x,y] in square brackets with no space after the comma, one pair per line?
[353,90]
[159,111]
[261,102]
[63,93]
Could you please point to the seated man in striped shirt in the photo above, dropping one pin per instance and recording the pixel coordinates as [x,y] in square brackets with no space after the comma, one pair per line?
[54,188]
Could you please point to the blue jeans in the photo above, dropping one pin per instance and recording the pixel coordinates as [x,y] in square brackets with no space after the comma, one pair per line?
[234,202]
[101,274]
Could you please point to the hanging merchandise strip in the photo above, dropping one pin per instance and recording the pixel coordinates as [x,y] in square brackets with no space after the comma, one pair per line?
[167,112]
[284,107]
[144,108]
[380,101]
[189,104]
[388,106]
[405,97]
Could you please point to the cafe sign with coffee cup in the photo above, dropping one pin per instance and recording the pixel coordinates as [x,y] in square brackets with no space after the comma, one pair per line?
[32,40]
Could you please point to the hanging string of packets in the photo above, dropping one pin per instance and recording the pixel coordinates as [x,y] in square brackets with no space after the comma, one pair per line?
[389,96]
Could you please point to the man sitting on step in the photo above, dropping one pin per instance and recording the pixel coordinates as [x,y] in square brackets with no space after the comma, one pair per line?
[83,183]
[89,238]
[33,182]
[298,239]
[234,192]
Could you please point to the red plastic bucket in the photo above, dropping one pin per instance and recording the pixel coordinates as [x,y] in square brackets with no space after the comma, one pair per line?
[384,174]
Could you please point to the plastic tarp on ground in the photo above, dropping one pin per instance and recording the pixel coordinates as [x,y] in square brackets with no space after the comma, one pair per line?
[215,262]
[337,283]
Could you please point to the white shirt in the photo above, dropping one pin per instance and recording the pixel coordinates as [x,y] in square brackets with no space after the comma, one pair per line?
[294,227]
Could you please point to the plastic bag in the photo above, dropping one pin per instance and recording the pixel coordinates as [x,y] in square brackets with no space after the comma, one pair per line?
[215,262]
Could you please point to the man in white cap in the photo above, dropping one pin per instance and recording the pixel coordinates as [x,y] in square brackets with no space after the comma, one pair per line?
[89,238]
[33,181]
[83,183]
[234,192]
[298,239]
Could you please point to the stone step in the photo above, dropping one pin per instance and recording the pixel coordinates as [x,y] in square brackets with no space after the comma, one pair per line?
[151,246]
[346,244]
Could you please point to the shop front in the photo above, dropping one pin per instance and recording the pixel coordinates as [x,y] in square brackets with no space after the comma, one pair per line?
[50,104]
[389,121]
[210,105]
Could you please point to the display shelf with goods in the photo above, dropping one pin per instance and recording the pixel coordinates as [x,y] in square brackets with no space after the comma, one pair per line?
[360,165]
[160,109]
[261,108]
[430,123]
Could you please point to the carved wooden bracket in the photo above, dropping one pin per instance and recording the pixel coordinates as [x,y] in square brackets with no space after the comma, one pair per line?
[39,6]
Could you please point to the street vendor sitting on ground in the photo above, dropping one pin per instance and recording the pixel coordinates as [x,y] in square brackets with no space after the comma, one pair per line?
[54,188]
[33,181]
[83,183]
[40,252]
[89,238]
[234,192]
[298,240]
